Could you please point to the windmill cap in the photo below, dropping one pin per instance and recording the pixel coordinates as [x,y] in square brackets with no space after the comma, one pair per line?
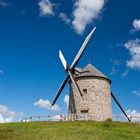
[91,71]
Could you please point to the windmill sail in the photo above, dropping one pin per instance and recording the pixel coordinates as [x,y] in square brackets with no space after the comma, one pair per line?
[63,60]
[76,60]
[79,54]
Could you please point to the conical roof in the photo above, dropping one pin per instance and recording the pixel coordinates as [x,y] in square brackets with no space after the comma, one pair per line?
[91,71]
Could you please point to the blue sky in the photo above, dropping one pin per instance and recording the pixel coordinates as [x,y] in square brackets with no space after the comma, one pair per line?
[32,33]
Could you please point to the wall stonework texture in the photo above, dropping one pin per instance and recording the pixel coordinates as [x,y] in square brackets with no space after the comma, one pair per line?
[96,98]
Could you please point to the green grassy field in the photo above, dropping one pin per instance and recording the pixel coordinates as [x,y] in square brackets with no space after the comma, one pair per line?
[70,131]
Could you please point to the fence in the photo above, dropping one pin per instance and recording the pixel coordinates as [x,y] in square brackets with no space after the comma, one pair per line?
[133,118]
[68,117]
[75,117]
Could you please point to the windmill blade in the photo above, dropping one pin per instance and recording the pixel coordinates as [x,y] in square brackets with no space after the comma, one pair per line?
[60,89]
[75,84]
[63,60]
[120,107]
[79,54]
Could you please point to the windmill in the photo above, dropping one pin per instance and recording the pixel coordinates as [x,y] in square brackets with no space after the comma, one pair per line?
[77,92]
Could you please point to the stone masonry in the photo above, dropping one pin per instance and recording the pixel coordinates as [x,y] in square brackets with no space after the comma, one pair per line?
[96,97]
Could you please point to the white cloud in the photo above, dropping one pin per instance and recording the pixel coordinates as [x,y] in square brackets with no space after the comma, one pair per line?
[3,3]
[1,119]
[66,100]
[9,119]
[6,115]
[46,8]
[6,111]
[134,115]
[85,12]
[1,72]
[46,104]
[134,48]
[64,18]
[56,118]
[6,119]
[136,25]
[136,92]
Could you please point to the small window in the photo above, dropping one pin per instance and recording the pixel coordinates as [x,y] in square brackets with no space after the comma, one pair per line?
[85,91]
[84,111]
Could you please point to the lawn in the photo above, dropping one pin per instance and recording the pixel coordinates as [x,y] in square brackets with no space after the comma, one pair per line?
[87,130]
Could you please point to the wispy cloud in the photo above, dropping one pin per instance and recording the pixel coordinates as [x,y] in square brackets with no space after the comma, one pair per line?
[114,71]
[46,8]
[134,114]
[64,18]
[85,12]
[125,73]
[23,11]
[136,92]
[134,48]
[115,66]
[46,104]
[1,72]
[136,26]
[4,3]
[66,100]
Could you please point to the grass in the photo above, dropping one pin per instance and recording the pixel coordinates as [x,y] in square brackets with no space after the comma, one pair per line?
[70,131]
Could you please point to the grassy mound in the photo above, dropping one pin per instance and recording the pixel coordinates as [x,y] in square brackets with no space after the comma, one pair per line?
[70,131]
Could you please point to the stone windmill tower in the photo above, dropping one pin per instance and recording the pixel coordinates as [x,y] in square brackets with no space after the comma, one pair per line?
[90,92]
[96,95]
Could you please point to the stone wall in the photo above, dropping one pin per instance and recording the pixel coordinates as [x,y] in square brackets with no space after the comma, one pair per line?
[96,98]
